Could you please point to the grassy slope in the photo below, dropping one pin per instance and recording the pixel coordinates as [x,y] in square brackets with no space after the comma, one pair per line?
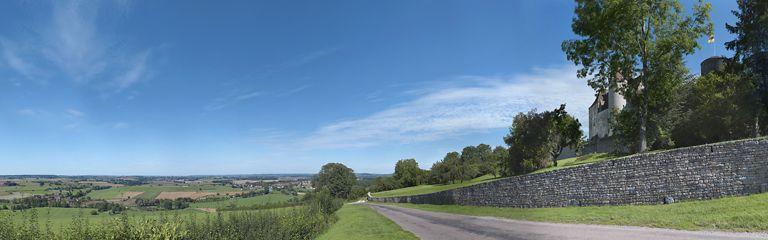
[361,222]
[151,191]
[747,214]
[258,200]
[576,161]
[424,189]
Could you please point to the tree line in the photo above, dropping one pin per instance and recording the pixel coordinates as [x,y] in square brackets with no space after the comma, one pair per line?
[535,140]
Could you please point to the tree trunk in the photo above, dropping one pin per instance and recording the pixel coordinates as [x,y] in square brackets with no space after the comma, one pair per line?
[642,142]
[756,129]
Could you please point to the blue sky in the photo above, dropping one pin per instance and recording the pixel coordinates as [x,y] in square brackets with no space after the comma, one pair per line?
[204,87]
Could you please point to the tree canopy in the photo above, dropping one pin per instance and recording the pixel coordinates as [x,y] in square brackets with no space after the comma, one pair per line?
[636,47]
[751,49]
[408,173]
[337,179]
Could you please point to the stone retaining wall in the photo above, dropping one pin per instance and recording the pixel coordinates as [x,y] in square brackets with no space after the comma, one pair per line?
[700,172]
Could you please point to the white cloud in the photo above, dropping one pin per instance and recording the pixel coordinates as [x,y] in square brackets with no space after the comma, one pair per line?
[75,113]
[478,104]
[30,112]
[72,41]
[231,98]
[71,45]
[135,73]
[120,125]
[295,90]
[10,54]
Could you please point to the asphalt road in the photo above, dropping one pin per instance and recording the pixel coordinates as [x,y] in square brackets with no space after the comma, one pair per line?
[444,226]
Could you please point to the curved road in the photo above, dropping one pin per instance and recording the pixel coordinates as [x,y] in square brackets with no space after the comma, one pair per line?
[445,226]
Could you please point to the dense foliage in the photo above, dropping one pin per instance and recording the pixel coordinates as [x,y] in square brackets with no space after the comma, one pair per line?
[637,48]
[337,179]
[751,47]
[408,173]
[535,139]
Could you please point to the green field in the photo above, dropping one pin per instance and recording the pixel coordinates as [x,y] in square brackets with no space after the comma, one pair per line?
[424,189]
[152,190]
[59,217]
[25,187]
[742,214]
[257,200]
[361,222]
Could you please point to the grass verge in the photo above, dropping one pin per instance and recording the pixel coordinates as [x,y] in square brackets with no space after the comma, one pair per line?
[357,221]
[737,214]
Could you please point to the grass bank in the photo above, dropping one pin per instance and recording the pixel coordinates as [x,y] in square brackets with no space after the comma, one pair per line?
[738,214]
[356,221]
[424,189]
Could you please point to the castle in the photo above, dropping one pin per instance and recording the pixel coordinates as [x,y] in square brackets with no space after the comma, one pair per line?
[606,103]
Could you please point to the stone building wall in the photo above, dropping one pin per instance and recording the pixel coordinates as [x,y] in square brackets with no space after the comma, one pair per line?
[700,172]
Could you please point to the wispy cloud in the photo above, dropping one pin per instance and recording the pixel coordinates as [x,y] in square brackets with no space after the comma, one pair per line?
[295,90]
[477,103]
[120,125]
[267,71]
[29,112]
[75,113]
[72,40]
[71,45]
[137,70]
[295,62]
[10,55]
[231,98]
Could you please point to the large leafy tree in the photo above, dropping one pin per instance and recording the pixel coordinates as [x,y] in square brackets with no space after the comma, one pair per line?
[408,173]
[716,107]
[500,161]
[751,47]
[337,179]
[529,143]
[634,46]
[565,131]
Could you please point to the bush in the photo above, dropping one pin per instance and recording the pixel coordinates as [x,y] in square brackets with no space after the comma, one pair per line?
[324,202]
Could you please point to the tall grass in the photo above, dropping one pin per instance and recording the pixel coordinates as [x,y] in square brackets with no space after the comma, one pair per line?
[294,223]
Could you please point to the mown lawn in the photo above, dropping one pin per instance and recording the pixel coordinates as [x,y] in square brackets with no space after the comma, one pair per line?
[739,214]
[240,202]
[424,189]
[357,221]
